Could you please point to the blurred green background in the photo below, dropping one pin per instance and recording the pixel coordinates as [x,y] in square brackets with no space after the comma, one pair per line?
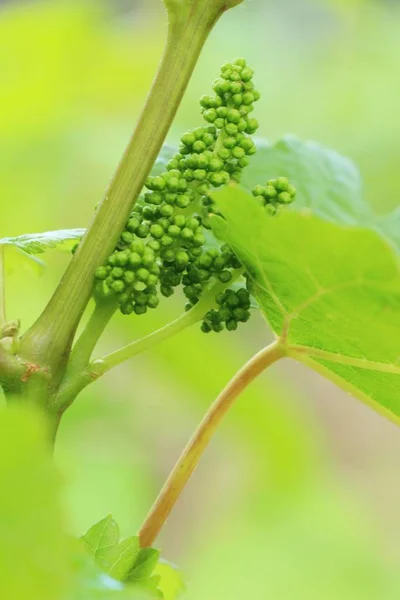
[298,496]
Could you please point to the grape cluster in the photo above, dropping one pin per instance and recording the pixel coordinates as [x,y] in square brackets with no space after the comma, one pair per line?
[233,308]
[163,245]
[275,193]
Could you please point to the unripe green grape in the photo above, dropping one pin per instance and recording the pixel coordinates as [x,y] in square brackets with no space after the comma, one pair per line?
[168,255]
[133,224]
[233,116]
[148,257]
[225,314]
[188,175]
[202,161]
[166,241]
[135,260]
[215,102]
[166,210]
[101,273]
[284,198]
[152,301]
[215,165]
[140,309]
[200,174]
[182,258]
[252,126]
[126,237]
[188,139]
[237,99]
[225,276]
[117,273]
[142,230]
[204,101]
[248,98]
[186,234]
[229,142]
[193,223]
[205,327]
[142,274]
[210,115]
[129,277]
[222,111]
[243,162]
[234,76]
[174,231]
[198,240]
[231,129]
[232,301]
[231,325]
[173,184]
[246,74]
[203,188]
[219,123]
[236,87]
[126,309]
[157,183]
[281,184]
[209,139]
[224,153]
[118,286]
[199,146]
[152,280]
[149,213]
[183,201]
[156,231]
[140,298]
[238,152]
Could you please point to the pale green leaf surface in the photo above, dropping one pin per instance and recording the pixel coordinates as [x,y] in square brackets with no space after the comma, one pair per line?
[102,537]
[332,292]
[145,564]
[33,550]
[121,558]
[91,583]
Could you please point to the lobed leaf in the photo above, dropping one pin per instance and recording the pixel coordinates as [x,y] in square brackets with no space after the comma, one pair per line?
[331,292]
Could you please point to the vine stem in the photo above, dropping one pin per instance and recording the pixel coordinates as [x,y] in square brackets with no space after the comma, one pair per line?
[3,318]
[193,452]
[49,340]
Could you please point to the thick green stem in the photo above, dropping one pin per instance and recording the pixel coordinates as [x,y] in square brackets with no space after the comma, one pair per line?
[50,338]
[83,348]
[193,452]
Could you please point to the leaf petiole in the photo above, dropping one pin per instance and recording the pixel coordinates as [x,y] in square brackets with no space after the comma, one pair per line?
[193,452]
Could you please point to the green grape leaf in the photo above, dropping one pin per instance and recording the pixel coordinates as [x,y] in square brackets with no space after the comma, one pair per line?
[102,537]
[331,292]
[91,583]
[145,564]
[33,551]
[327,183]
[37,243]
[121,558]
[22,250]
